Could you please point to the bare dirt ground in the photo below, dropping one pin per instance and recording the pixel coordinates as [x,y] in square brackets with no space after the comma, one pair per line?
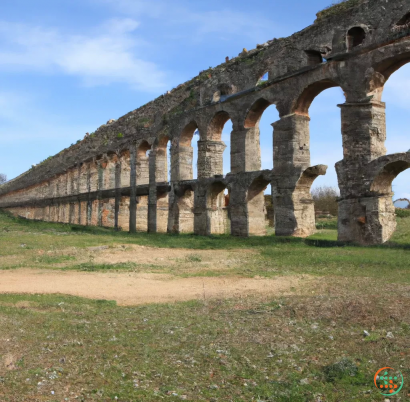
[131,288]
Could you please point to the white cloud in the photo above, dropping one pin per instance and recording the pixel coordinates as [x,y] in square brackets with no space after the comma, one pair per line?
[111,54]
[181,14]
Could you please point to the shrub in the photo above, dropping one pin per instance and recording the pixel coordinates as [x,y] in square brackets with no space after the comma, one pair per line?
[3,178]
[325,199]
[403,213]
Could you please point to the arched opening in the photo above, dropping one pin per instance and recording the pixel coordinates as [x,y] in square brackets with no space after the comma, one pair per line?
[215,151]
[186,161]
[314,57]
[266,133]
[355,37]
[405,21]
[319,102]
[257,207]
[264,78]
[396,94]
[217,205]
[259,121]
[269,210]
[380,215]
[382,184]
[143,163]
[402,203]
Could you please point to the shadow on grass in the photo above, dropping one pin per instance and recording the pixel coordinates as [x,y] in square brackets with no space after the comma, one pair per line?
[190,241]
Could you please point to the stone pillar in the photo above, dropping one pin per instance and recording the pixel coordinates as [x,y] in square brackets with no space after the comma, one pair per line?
[291,157]
[201,218]
[152,197]
[363,218]
[79,180]
[210,211]
[162,199]
[181,202]
[133,193]
[101,168]
[181,163]
[117,193]
[89,202]
[210,158]
[238,210]
[245,150]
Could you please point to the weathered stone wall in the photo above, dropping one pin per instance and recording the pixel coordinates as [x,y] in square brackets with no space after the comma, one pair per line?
[118,176]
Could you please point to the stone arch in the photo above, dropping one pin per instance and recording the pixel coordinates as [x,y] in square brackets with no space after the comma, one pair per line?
[187,133]
[303,200]
[255,112]
[254,136]
[216,125]
[382,182]
[124,157]
[211,149]
[182,157]
[309,93]
[380,72]
[161,159]
[142,150]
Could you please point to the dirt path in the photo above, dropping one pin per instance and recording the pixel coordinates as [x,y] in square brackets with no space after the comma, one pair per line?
[136,288]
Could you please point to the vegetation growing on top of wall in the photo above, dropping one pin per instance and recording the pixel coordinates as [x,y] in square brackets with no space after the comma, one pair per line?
[337,8]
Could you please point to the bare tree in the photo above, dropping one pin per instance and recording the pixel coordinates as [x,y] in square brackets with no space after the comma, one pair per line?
[3,178]
[325,199]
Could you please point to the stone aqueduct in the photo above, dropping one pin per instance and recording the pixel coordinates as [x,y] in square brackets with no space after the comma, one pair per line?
[110,179]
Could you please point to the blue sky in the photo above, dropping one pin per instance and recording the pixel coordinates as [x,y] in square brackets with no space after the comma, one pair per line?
[68,66]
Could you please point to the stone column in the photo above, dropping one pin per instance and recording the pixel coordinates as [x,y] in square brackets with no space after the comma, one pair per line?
[162,199]
[245,150]
[238,210]
[78,192]
[133,193]
[363,218]
[180,216]
[210,158]
[291,157]
[101,168]
[181,162]
[89,202]
[201,218]
[117,193]
[152,197]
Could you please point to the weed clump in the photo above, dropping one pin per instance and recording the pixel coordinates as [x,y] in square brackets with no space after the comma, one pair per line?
[337,371]
[337,8]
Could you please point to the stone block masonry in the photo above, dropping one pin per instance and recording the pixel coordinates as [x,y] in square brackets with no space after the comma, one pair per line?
[121,176]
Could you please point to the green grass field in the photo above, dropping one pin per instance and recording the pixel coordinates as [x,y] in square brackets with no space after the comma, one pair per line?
[305,346]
